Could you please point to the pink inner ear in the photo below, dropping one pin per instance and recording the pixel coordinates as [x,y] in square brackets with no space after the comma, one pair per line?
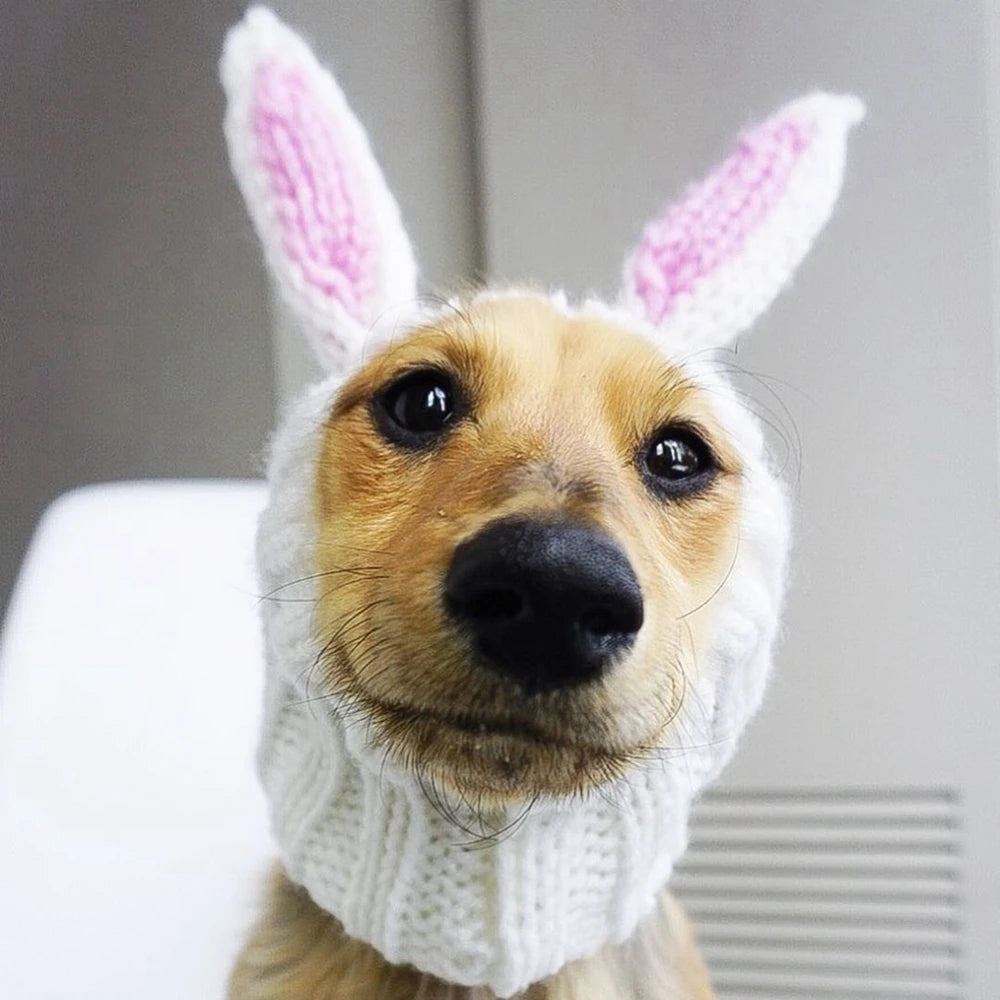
[319,201]
[712,222]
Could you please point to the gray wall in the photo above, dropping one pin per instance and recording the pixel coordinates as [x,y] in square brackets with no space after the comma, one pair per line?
[134,337]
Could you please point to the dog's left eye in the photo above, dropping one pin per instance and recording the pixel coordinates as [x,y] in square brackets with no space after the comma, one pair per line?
[415,409]
[677,462]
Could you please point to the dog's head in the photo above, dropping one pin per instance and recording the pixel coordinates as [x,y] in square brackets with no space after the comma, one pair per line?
[543,543]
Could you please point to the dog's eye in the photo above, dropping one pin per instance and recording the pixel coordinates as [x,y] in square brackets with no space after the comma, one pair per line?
[417,408]
[677,462]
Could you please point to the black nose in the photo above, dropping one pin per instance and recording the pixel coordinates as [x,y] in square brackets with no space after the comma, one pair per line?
[550,604]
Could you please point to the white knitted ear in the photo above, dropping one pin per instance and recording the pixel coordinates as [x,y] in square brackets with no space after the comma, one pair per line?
[709,265]
[331,230]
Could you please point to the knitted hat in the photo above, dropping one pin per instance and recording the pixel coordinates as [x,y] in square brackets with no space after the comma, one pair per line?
[354,829]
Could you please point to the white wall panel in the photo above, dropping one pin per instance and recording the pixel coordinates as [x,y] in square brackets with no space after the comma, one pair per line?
[592,115]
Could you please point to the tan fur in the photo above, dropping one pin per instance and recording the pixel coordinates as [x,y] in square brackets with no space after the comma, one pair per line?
[559,410]
[299,952]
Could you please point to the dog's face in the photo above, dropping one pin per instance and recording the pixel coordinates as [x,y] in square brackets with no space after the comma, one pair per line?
[523,516]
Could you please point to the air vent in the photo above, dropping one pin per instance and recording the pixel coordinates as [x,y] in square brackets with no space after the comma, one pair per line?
[833,894]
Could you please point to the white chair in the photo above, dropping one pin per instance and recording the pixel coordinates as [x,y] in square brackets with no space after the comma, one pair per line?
[133,836]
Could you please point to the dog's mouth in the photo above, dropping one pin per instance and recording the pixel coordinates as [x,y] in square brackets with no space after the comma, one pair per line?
[472,725]
[492,759]
[495,762]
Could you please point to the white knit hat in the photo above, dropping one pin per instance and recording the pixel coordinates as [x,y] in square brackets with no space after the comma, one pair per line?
[355,830]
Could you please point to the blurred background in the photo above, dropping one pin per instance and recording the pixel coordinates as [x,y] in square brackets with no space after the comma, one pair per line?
[529,140]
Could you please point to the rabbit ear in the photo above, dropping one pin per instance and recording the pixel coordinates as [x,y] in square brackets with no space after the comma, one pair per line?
[711,263]
[330,228]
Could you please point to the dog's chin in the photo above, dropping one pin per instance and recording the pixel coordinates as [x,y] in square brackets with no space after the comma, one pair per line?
[489,764]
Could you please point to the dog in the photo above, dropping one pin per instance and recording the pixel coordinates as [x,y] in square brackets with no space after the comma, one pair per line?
[523,565]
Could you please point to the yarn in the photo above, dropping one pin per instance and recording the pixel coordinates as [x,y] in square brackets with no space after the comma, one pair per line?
[330,228]
[709,265]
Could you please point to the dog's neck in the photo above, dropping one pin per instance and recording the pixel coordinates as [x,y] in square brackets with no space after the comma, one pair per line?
[298,950]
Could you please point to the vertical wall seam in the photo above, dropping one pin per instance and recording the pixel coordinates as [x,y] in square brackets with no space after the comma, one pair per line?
[474,111]
[991,23]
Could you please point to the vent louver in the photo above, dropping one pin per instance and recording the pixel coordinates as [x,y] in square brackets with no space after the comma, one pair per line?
[832,894]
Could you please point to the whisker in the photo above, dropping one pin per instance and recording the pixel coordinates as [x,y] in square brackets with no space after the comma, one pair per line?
[715,593]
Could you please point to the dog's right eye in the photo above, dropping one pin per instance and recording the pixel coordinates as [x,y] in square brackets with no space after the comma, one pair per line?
[415,410]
